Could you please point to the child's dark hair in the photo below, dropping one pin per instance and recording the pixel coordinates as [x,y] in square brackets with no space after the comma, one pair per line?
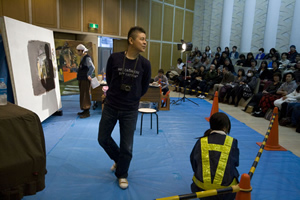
[161,71]
[218,121]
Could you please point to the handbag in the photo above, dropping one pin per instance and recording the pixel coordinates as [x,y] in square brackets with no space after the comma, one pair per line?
[247,92]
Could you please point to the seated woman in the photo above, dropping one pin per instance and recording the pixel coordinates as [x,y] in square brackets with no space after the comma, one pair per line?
[263,74]
[228,64]
[271,89]
[248,59]
[291,116]
[290,98]
[206,162]
[204,61]
[275,69]
[226,89]
[284,62]
[267,101]
[244,89]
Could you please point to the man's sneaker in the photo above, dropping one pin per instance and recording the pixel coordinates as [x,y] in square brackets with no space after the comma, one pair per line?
[200,96]
[123,183]
[114,167]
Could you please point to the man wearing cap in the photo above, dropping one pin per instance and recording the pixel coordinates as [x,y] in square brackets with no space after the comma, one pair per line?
[128,75]
[292,54]
[84,73]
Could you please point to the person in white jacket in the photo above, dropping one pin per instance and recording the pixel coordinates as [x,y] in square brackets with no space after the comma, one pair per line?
[290,98]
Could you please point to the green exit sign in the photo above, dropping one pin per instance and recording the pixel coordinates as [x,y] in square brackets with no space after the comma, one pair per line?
[93,25]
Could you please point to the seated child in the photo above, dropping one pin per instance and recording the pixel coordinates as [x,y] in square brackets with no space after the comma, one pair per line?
[215,158]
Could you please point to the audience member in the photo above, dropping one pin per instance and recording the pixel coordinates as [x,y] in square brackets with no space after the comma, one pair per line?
[290,98]
[272,52]
[273,59]
[228,77]
[205,156]
[234,54]
[284,62]
[248,59]
[204,60]
[227,51]
[291,115]
[163,80]
[241,61]
[196,64]
[226,89]
[292,54]
[180,81]
[180,64]
[197,51]
[196,77]
[253,66]
[219,51]
[261,54]
[267,101]
[244,89]
[208,51]
[274,69]
[223,57]
[209,81]
[270,89]
[228,65]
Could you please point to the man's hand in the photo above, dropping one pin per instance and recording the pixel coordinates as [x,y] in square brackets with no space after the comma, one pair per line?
[89,77]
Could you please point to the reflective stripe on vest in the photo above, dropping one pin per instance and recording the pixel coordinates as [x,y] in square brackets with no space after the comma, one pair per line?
[225,150]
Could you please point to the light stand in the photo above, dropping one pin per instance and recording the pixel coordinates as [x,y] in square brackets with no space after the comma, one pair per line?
[185,47]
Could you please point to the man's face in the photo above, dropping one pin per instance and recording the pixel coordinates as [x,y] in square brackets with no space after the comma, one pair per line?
[288,78]
[139,43]
[212,67]
[233,49]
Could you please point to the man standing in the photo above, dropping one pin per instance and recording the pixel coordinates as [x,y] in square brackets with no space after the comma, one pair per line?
[84,73]
[128,75]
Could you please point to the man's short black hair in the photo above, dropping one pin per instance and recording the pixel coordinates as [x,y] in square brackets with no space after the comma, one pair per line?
[131,32]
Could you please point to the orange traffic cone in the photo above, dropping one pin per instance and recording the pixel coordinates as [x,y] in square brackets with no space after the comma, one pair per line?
[245,188]
[272,142]
[215,106]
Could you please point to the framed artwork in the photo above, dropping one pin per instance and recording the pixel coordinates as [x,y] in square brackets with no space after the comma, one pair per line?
[30,53]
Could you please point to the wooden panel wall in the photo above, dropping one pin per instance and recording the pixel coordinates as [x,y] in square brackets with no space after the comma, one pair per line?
[166,56]
[168,23]
[70,14]
[115,18]
[178,25]
[120,45]
[188,26]
[156,18]
[92,10]
[176,55]
[170,1]
[143,14]
[127,16]
[44,13]
[190,4]
[154,58]
[111,17]
[180,3]
[16,9]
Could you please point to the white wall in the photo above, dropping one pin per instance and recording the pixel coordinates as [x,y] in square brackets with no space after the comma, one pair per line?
[274,23]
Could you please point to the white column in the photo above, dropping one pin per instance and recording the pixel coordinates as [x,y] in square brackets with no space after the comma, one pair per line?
[226,23]
[248,20]
[271,25]
[294,39]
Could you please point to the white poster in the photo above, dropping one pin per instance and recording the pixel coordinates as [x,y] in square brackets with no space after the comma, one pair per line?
[31,58]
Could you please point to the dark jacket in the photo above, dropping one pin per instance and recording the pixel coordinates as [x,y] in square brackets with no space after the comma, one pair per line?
[83,69]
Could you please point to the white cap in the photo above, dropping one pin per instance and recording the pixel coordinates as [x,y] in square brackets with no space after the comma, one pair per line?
[81,47]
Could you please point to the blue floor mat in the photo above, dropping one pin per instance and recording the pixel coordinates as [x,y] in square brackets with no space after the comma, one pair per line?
[78,168]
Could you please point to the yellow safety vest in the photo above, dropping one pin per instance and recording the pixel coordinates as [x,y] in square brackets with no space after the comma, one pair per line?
[207,184]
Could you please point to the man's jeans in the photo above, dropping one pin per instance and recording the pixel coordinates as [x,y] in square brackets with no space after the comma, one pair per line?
[121,155]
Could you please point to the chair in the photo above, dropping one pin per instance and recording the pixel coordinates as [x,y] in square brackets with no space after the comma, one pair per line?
[148,111]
